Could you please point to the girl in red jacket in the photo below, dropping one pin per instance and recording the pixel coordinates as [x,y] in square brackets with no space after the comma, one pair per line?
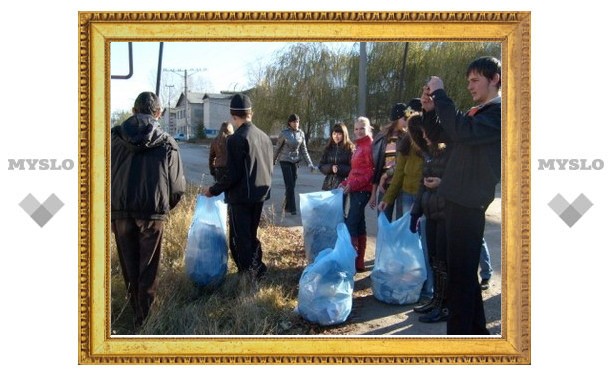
[358,185]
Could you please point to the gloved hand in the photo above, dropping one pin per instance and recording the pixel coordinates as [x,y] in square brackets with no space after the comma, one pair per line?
[414,221]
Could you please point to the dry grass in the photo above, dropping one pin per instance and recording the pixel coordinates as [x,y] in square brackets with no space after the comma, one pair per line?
[240,305]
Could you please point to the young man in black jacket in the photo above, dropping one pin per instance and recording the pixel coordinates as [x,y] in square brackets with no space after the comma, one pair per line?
[147,181]
[246,185]
[468,183]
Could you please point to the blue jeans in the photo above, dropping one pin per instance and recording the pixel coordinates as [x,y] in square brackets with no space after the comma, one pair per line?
[355,220]
[402,205]
[485,262]
[389,210]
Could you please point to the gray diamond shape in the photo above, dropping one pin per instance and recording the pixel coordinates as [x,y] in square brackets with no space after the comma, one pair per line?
[558,204]
[41,216]
[53,204]
[570,213]
[570,216]
[29,204]
[41,213]
[582,204]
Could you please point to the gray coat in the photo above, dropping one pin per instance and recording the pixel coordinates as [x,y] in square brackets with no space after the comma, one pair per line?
[291,147]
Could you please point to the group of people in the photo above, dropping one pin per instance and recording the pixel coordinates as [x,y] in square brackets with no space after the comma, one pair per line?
[431,161]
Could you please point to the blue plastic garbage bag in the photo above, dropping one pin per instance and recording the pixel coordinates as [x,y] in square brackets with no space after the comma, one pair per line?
[399,268]
[325,293]
[321,213]
[206,251]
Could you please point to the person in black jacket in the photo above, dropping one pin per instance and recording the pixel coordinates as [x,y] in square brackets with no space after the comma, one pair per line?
[335,162]
[384,153]
[468,183]
[430,204]
[246,186]
[147,181]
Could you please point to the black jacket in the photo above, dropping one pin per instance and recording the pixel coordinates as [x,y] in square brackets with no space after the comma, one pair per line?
[336,155]
[428,201]
[379,147]
[147,178]
[249,166]
[474,165]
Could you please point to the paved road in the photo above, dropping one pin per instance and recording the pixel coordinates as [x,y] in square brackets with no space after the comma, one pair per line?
[370,316]
[195,162]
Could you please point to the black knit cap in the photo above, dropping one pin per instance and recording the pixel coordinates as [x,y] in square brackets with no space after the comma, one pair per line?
[241,102]
[293,117]
[398,111]
[414,105]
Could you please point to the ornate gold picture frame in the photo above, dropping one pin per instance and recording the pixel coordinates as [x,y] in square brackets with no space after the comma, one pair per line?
[98,29]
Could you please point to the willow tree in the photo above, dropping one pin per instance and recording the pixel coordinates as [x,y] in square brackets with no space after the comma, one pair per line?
[321,84]
[449,61]
[396,73]
[384,72]
[308,79]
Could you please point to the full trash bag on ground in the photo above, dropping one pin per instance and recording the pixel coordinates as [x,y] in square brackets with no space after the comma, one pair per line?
[325,293]
[321,213]
[206,251]
[399,268]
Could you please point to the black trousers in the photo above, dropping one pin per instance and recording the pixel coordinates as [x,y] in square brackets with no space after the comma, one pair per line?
[289,177]
[435,236]
[464,230]
[139,245]
[245,247]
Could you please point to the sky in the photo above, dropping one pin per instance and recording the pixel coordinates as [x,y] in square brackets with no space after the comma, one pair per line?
[221,65]
[40,265]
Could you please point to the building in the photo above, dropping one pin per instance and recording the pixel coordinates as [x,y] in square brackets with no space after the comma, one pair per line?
[216,111]
[168,120]
[188,114]
[205,112]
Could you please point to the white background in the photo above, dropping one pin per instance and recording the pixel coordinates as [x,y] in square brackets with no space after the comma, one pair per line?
[570,111]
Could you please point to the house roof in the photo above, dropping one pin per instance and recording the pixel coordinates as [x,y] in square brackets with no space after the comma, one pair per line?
[192,97]
[198,97]
[195,97]
[216,96]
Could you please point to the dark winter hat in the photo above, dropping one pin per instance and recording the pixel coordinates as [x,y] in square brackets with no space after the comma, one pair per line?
[240,102]
[398,111]
[293,117]
[414,105]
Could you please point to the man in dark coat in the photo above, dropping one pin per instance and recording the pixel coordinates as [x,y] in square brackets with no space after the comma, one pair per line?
[147,181]
[468,183]
[246,185]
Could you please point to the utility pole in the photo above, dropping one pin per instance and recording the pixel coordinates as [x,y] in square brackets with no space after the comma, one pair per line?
[363,62]
[400,91]
[188,131]
[168,108]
